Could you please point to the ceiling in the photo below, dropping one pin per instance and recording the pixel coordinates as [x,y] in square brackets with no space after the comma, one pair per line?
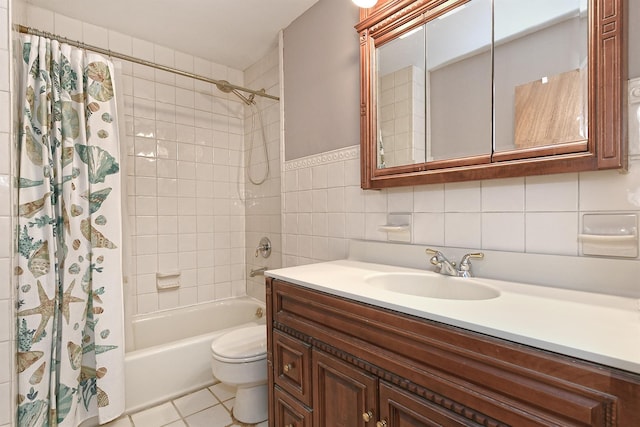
[236,33]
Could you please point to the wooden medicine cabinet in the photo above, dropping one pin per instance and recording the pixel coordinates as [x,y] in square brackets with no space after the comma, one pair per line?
[460,90]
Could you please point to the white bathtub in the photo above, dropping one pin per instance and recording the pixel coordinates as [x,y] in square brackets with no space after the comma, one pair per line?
[172,348]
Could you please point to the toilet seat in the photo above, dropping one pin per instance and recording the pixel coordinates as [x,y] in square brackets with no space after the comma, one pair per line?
[241,345]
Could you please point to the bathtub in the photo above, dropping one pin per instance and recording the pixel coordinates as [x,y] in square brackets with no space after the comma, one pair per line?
[171,354]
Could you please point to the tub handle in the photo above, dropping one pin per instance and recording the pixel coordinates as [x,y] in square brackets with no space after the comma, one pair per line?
[264,248]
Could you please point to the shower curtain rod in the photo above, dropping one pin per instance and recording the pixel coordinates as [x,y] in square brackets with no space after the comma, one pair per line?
[222,85]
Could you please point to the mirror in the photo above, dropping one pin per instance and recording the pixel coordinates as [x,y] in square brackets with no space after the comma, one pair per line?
[541,74]
[476,89]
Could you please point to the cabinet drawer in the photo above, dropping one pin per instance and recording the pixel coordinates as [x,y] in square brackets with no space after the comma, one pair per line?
[292,366]
[402,409]
[289,412]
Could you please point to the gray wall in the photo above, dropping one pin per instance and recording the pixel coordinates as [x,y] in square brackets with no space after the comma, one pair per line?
[321,77]
[322,80]
[461,108]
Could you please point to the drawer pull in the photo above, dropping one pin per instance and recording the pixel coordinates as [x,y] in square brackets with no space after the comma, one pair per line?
[367,416]
[381,423]
[289,425]
[287,367]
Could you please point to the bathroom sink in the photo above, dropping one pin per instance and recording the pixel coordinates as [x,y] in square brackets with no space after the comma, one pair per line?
[432,286]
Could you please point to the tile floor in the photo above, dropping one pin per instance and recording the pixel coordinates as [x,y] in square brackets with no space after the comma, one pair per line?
[209,407]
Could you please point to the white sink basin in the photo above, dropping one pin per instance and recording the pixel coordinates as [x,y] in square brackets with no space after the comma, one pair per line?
[432,286]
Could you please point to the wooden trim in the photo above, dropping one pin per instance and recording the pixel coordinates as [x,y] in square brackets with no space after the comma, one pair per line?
[548,150]
[513,168]
[271,400]
[367,108]
[436,164]
[611,82]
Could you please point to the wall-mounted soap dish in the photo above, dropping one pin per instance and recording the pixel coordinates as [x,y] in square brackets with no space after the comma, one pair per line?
[166,281]
[612,235]
[398,227]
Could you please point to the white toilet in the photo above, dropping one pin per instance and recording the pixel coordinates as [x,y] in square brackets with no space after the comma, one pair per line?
[239,358]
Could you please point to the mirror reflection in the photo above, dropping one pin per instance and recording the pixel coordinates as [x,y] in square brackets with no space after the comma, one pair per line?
[459,81]
[401,100]
[540,60]
[460,87]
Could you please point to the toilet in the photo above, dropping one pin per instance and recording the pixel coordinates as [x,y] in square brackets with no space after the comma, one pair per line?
[239,359]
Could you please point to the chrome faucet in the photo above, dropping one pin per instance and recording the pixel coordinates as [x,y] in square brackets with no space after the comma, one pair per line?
[446,267]
[443,265]
[464,269]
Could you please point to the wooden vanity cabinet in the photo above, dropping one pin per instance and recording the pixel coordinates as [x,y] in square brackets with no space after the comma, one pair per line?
[350,364]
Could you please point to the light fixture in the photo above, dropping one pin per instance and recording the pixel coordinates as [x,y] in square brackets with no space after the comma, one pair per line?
[365,4]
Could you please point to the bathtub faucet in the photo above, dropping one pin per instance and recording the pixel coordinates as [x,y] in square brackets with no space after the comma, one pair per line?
[257,272]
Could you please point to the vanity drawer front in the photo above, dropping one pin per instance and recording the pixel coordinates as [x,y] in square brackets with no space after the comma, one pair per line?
[289,412]
[292,366]
[402,409]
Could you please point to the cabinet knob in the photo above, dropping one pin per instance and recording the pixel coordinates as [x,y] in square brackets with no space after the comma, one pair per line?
[287,367]
[381,423]
[289,425]
[367,416]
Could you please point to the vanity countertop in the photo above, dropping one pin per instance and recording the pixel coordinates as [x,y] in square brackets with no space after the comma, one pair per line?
[596,327]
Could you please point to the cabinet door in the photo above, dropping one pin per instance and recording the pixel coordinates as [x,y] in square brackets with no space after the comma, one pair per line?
[289,412]
[399,408]
[342,393]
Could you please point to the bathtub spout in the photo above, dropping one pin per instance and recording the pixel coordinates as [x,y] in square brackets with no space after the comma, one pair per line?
[257,272]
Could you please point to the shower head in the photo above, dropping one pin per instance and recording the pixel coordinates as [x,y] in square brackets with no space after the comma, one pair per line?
[226,87]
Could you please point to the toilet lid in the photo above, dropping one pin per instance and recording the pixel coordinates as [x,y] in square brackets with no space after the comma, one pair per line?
[242,345]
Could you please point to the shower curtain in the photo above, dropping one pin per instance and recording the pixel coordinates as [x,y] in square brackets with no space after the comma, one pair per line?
[69,308]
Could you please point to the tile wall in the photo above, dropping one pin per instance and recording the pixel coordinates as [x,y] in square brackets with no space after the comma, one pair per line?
[184,142]
[323,206]
[262,202]
[402,117]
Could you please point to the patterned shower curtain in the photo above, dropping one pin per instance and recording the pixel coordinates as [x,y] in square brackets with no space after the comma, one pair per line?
[69,308]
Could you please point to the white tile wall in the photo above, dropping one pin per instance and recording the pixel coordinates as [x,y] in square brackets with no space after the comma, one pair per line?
[533,214]
[263,201]
[401,95]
